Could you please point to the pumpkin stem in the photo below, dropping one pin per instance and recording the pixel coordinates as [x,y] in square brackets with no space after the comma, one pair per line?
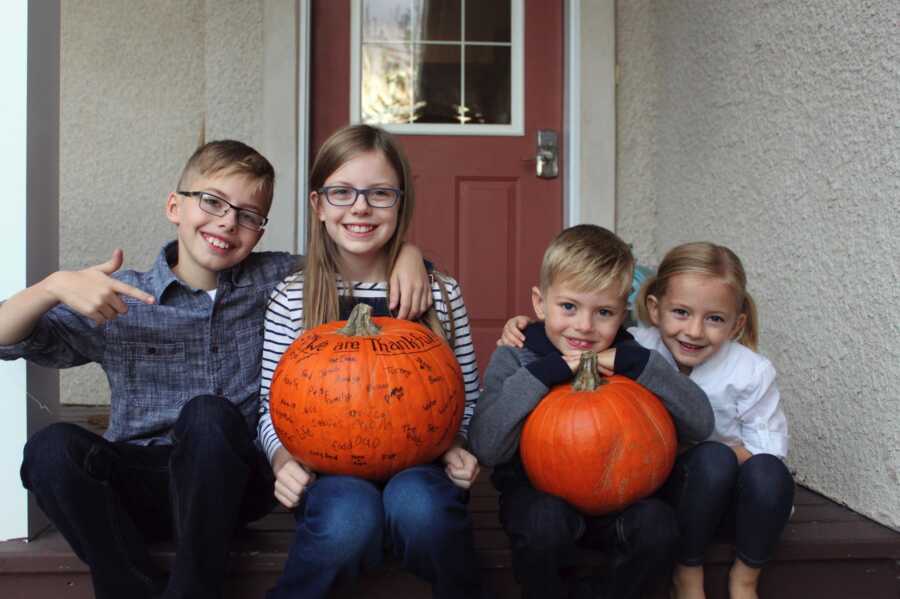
[360,322]
[586,377]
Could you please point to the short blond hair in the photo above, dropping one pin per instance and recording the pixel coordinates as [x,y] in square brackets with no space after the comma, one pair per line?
[589,258]
[229,156]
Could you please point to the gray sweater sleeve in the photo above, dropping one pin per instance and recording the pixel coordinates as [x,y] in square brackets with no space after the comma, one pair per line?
[510,393]
[685,401]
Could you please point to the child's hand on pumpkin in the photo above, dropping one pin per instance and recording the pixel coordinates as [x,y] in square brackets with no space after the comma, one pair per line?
[606,361]
[291,478]
[461,466]
[573,359]
[512,332]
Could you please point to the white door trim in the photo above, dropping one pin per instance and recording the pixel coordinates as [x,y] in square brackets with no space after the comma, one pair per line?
[303,103]
[285,118]
[589,186]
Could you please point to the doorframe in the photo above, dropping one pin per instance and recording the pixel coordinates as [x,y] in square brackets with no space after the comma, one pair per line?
[589,113]
[589,119]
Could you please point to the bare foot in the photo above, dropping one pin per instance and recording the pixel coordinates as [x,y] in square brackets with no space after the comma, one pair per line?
[742,581]
[687,582]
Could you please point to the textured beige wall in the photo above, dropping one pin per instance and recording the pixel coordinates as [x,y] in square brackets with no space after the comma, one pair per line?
[636,97]
[139,80]
[774,128]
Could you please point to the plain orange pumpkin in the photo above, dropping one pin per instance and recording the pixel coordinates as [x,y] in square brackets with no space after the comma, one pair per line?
[350,398]
[600,448]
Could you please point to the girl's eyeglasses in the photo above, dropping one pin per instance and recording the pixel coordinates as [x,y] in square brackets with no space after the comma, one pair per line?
[376,197]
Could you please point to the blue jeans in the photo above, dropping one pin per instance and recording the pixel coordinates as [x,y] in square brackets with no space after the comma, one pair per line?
[110,499]
[344,523]
[545,533]
[709,490]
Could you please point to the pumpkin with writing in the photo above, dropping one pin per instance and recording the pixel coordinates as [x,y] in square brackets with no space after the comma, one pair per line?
[599,443]
[367,397]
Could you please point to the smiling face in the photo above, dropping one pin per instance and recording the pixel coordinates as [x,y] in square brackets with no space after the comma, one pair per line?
[579,320]
[359,231]
[695,316]
[208,244]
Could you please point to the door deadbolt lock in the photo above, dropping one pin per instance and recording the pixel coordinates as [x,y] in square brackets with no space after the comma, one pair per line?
[547,159]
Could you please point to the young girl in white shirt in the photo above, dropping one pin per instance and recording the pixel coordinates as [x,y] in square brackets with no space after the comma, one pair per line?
[703,320]
[361,204]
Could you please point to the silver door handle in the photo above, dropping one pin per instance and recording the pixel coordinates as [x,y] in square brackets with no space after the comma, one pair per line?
[547,158]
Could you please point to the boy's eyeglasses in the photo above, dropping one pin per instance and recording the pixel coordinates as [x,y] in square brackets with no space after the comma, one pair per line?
[376,197]
[218,207]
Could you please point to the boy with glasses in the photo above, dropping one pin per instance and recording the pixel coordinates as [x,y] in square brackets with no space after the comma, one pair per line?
[181,345]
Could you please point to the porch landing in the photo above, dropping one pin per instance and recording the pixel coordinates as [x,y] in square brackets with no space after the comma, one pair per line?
[827,552]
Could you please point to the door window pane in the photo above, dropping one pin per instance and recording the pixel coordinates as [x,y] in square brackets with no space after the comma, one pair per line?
[438,83]
[436,61]
[487,84]
[488,21]
[387,87]
[441,20]
[387,20]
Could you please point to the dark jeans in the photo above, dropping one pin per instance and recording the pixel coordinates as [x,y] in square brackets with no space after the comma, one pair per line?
[344,523]
[109,499]
[709,490]
[545,533]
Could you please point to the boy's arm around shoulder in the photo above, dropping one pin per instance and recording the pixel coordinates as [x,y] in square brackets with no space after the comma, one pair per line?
[682,397]
[510,393]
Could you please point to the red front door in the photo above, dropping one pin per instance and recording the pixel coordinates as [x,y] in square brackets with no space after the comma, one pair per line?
[482,214]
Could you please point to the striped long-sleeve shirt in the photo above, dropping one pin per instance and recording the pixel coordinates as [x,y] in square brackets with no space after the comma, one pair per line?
[284,323]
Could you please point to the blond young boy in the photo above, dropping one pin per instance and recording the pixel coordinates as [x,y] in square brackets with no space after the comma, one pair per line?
[181,345]
[581,305]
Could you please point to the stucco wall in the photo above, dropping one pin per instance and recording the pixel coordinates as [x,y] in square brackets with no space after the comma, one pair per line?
[774,128]
[636,95]
[139,82]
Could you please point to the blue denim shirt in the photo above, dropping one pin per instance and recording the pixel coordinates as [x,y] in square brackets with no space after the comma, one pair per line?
[159,356]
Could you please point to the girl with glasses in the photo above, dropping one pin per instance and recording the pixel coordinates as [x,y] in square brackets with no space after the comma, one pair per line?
[360,210]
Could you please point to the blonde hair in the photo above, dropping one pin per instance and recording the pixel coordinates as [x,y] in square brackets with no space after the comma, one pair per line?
[320,297]
[231,157]
[706,259]
[588,258]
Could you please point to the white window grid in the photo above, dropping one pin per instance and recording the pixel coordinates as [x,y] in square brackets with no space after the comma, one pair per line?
[516,125]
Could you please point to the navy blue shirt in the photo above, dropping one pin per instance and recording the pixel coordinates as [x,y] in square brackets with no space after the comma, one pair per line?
[158,356]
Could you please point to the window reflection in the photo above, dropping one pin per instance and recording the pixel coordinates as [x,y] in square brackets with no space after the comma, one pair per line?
[387,88]
[440,20]
[387,20]
[488,81]
[436,61]
[438,82]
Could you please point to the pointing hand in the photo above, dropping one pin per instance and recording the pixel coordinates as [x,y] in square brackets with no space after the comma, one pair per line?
[93,292]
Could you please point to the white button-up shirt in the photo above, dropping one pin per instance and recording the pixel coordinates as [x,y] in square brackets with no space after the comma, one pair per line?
[741,388]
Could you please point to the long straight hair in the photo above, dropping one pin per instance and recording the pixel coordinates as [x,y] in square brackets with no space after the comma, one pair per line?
[320,296]
[706,259]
